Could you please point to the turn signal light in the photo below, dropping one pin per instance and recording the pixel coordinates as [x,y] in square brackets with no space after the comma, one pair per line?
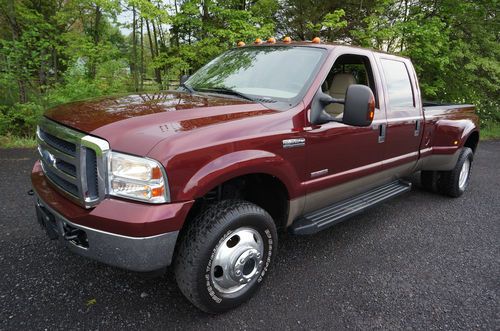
[271,41]
[316,40]
[371,107]
[241,44]
[258,41]
[287,40]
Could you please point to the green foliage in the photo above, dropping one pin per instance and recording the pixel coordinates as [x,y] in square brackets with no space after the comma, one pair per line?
[53,52]
[19,119]
[330,24]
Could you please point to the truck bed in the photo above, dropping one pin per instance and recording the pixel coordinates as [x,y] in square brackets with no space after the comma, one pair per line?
[432,109]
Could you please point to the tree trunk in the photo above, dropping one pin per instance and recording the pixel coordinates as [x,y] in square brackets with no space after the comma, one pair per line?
[16,33]
[142,54]
[153,53]
[134,51]
[97,22]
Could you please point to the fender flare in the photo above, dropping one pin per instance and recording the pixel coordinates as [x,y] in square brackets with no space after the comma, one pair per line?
[236,164]
[467,132]
[452,134]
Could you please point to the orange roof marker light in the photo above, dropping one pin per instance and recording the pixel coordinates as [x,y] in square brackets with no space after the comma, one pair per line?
[241,44]
[258,41]
[287,40]
[316,40]
[271,40]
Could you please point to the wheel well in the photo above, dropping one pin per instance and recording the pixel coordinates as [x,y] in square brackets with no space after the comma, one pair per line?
[472,141]
[264,190]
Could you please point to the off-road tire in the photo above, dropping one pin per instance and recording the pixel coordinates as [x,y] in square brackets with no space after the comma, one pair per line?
[448,183]
[198,246]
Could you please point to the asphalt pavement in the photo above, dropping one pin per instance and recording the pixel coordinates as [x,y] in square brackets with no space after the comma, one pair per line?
[420,261]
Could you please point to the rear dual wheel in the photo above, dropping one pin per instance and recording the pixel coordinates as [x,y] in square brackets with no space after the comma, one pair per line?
[454,182]
[225,254]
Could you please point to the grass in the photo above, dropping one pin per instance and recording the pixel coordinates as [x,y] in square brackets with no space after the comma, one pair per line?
[489,131]
[17,142]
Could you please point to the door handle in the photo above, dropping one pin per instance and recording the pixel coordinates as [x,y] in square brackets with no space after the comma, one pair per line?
[381,132]
[417,127]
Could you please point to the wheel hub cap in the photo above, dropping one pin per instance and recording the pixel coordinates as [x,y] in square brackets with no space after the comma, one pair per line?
[464,174]
[238,260]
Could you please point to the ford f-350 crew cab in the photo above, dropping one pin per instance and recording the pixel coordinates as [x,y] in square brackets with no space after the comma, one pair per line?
[295,136]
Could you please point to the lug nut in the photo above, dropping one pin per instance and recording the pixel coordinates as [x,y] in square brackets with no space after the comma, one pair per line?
[258,255]
[242,280]
[238,272]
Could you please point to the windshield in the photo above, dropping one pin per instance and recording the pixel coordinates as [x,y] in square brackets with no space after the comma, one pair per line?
[280,74]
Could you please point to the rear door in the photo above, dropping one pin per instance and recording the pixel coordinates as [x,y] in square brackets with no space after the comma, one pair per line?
[404,114]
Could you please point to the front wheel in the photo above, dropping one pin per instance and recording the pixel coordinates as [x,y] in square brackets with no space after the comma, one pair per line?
[225,254]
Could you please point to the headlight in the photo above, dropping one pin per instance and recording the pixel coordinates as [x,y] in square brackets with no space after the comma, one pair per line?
[137,178]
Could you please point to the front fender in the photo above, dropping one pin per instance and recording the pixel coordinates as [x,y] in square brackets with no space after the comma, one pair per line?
[237,164]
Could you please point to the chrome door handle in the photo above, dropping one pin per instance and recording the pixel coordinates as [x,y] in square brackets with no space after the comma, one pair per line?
[381,133]
[417,127]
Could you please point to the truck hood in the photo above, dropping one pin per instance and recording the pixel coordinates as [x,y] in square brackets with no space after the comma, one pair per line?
[135,123]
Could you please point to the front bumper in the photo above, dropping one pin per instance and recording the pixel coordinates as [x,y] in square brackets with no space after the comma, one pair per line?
[132,253]
[126,234]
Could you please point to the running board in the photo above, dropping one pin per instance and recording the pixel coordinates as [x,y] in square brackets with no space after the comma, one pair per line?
[323,218]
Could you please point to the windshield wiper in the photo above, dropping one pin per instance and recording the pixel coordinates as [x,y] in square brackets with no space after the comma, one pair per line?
[187,87]
[225,90]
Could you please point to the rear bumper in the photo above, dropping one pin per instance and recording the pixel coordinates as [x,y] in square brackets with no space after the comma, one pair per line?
[126,234]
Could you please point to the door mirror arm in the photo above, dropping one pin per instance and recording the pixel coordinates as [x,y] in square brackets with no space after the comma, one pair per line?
[318,113]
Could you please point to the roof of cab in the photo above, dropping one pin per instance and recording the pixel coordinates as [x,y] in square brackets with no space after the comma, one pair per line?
[322,44]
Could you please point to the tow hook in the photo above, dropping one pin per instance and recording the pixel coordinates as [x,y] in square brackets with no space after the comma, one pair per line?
[76,236]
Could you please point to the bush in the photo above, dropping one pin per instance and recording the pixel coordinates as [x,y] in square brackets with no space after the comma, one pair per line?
[20,119]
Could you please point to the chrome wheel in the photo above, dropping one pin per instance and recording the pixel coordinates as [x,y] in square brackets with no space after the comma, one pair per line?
[464,174]
[237,260]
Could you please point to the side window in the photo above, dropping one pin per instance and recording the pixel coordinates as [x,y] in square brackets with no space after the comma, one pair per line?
[398,84]
[348,69]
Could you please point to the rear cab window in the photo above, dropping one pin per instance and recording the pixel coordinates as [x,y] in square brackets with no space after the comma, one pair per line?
[399,87]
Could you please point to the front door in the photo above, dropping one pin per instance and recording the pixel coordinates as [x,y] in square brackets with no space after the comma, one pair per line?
[344,160]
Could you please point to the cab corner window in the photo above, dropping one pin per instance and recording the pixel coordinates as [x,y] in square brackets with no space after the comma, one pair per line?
[398,84]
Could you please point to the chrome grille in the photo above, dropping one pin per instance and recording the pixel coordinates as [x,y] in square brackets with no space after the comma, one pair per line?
[73,162]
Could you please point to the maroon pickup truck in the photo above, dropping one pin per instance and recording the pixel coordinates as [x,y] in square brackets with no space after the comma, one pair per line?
[294,136]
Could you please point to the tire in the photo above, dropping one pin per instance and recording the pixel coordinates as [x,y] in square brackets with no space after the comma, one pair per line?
[224,255]
[453,183]
[428,180]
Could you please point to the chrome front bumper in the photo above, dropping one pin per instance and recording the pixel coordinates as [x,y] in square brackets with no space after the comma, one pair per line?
[132,253]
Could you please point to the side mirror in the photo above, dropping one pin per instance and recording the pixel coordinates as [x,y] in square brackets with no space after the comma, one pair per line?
[359,106]
[184,78]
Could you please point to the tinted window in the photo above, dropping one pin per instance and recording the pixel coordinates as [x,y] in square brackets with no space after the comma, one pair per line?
[398,84]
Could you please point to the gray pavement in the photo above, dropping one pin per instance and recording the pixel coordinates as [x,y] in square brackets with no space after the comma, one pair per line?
[421,261]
